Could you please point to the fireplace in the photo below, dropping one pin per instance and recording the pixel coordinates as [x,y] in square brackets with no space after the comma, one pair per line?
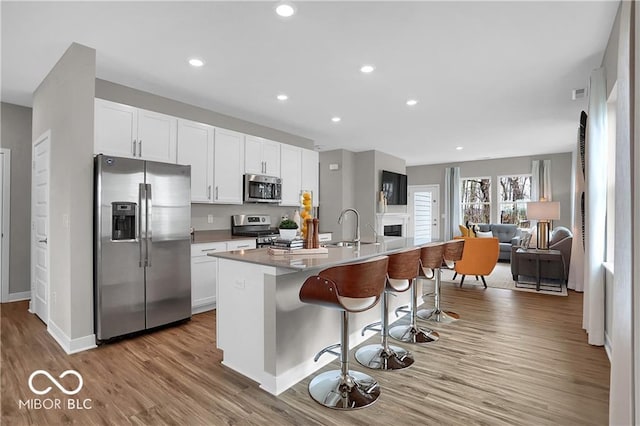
[392,230]
[392,224]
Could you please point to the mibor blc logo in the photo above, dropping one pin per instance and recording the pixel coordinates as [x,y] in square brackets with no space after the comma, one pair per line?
[55,403]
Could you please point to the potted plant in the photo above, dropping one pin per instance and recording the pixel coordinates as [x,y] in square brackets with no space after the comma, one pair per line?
[288,229]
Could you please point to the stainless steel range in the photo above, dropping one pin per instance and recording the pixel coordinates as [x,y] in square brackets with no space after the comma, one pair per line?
[254,225]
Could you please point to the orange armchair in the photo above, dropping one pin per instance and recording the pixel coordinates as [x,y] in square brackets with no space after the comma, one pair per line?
[479,258]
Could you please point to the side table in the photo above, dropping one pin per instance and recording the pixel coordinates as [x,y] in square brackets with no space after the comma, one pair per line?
[539,257]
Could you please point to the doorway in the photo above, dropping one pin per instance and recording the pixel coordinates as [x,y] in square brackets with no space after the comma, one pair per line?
[424,208]
[5,222]
[40,266]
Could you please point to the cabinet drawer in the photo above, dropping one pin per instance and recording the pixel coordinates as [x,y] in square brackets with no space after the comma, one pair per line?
[241,244]
[206,248]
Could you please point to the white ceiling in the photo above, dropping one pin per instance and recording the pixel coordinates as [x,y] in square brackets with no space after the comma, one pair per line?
[493,77]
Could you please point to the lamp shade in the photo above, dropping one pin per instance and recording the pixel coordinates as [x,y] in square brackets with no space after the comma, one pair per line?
[543,210]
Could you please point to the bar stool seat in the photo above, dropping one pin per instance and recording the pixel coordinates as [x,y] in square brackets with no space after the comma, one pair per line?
[349,288]
[411,333]
[402,270]
[452,253]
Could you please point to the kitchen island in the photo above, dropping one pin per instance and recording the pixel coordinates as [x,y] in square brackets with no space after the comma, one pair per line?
[263,329]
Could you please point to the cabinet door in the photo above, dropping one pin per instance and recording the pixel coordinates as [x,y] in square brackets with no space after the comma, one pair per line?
[204,275]
[195,148]
[291,160]
[227,166]
[156,136]
[253,155]
[311,173]
[271,157]
[115,130]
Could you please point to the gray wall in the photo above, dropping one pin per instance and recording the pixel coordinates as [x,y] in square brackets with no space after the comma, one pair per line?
[16,136]
[200,212]
[64,105]
[610,59]
[560,177]
[337,192]
[356,184]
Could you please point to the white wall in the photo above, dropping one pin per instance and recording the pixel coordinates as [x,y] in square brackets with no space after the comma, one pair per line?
[16,136]
[64,104]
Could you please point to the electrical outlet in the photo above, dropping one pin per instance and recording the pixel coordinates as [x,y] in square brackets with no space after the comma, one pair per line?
[210,218]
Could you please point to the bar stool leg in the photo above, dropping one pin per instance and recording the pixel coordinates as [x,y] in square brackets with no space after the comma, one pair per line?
[384,356]
[344,389]
[411,333]
[436,314]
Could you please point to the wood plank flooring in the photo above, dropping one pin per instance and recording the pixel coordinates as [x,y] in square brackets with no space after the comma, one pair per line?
[514,358]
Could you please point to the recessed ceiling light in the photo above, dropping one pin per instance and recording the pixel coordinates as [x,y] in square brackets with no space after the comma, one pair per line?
[285,9]
[336,119]
[282,97]
[459,148]
[412,102]
[367,69]
[195,62]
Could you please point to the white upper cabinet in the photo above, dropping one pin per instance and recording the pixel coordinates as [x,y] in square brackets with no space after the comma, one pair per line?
[291,174]
[195,148]
[229,147]
[116,129]
[311,173]
[262,156]
[126,131]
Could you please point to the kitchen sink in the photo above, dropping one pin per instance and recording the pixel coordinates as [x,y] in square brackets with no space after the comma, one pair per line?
[349,244]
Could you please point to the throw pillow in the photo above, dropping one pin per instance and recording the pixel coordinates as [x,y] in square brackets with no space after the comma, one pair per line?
[487,234]
[464,230]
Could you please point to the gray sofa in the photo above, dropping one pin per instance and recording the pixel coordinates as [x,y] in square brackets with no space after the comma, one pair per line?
[508,236]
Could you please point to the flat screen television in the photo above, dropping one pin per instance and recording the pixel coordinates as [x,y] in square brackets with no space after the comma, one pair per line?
[394,186]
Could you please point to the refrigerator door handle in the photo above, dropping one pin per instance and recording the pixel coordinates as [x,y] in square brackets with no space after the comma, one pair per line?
[141,196]
[149,231]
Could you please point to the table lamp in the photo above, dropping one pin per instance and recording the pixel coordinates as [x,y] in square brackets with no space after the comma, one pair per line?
[544,212]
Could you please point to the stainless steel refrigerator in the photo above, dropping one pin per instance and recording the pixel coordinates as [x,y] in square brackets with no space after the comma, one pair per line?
[142,265]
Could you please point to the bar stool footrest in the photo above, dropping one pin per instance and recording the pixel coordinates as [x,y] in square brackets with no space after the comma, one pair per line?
[328,349]
[404,309]
[372,327]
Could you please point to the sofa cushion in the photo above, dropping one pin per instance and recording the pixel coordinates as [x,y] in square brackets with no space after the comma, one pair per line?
[504,232]
[487,234]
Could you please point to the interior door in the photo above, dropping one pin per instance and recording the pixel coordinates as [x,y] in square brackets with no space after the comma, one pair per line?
[424,207]
[168,272]
[40,228]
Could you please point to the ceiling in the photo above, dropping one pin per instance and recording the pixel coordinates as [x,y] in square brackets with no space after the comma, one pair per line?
[492,77]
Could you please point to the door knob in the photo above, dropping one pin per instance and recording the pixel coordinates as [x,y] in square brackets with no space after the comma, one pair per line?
[43,241]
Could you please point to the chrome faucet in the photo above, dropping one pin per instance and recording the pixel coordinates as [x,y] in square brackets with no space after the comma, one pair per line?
[357,237]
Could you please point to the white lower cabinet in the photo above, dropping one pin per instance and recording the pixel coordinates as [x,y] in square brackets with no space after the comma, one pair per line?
[204,270]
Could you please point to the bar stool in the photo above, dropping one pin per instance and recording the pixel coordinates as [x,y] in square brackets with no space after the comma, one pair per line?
[349,288]
[411,333]
[401,271]
[452,253]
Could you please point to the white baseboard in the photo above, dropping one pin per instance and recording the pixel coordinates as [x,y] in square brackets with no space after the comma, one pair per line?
[23,295]
[209,305]
[71,346]
[607,345]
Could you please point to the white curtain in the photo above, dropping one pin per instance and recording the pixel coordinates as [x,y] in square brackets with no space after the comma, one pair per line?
[576,267]
[451,202]
[595,209]
[541,180]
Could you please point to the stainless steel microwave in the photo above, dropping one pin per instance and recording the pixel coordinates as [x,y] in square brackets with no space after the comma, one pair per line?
[262,189]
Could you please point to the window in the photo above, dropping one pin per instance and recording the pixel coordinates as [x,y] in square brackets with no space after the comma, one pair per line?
[513,194]
[475,199]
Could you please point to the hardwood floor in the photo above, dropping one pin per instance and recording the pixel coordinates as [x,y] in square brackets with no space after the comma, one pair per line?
[514,358]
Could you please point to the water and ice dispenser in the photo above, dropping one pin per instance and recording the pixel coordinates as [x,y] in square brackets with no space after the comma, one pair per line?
[123,221]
